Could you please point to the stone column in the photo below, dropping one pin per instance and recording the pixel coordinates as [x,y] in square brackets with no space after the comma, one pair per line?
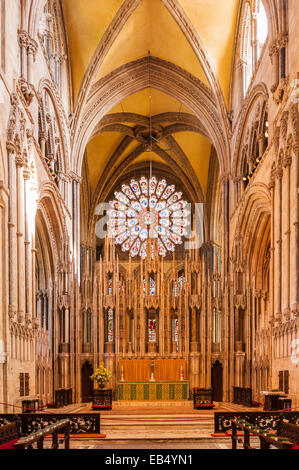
[241,68]
[23,43]
[31,52]
[43,143]
[12,223]
[287,165]
[228,340]
[209,331]
[274,56]
[279,173]
[295,306]
[28,257]
[254,42]
[272,261]
[20,238]
[4,322]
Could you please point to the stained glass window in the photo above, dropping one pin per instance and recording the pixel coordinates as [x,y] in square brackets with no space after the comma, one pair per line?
[175,331]
[152,286]
[110,286]
[148,209]
[152,330]
[179,285]
[110,326]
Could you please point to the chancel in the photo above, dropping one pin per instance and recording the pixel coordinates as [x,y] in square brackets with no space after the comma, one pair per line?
[149,230]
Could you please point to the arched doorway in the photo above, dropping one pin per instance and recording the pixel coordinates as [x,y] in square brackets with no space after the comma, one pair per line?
[216,380]
[86,382]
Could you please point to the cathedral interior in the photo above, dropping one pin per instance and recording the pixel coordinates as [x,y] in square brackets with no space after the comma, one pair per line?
[149,197]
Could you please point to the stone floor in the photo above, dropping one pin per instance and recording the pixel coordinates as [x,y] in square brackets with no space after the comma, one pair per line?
[155,425]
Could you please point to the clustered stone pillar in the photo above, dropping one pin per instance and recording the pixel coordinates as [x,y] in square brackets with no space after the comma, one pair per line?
[20,239]
[28,257]
[12,224]
[279,174]
[274,56]
[295,305]
[28,50]
[3,304]
[287,165]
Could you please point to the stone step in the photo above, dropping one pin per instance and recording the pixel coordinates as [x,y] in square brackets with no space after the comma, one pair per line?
[167,425]
[158,433]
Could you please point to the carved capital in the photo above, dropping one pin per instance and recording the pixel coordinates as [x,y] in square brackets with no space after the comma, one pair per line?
[19,161]
[35,324]
[20,317]
[75,177]
[11,312]
[273,50]
[28,320]
[287,160]
[10,147]
[26,173]
[23,38]
[282,40]
[27,90]
[279,91]
[294,119]
[279,173]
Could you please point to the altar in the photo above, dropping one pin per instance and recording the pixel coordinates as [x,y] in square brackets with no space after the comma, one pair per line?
[152,380]
[153,391]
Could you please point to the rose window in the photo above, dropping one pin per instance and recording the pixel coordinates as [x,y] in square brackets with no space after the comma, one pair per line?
[148,209]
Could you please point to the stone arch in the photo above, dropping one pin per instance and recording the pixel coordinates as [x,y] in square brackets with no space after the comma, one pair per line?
[258,200]
[259,92]
[45,86]
[34,13]
[165,77]
[183,174]
[114,29]
[51,209]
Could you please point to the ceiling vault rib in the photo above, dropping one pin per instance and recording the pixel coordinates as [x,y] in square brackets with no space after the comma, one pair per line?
[183,167]
[124,13]
[126,141]
[177,149]
[112,172]
[118,127]
[183,21]
[189,180]
[166,79]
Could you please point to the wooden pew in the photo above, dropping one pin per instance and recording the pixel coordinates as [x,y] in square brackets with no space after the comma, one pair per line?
[286,436]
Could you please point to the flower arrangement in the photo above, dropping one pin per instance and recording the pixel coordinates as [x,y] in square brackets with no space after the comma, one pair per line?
[101,375]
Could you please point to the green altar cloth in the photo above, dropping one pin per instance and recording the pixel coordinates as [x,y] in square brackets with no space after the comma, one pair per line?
[158,390]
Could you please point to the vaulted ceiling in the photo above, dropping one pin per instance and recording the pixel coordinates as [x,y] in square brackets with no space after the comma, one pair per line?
[151,28]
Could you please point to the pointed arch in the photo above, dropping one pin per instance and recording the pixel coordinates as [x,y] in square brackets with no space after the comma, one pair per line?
[165,77]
